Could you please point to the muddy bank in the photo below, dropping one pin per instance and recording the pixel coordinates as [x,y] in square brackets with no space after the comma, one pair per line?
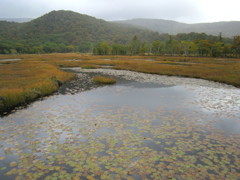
[82,82]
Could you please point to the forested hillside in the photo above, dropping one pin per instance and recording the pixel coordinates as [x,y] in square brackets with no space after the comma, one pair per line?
[65,31]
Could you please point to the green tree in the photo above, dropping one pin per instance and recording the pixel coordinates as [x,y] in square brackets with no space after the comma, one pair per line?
[217,49]
[227,50]
[172,46]
[236,45]
[157,47]
[185,47]
[102,49]
[203,47]
[135,46]
[193,48]
[142,49]
[119,49]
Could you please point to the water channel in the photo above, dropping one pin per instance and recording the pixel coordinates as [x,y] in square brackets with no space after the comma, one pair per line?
[143,127]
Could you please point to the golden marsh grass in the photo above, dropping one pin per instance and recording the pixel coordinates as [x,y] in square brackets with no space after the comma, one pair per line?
[23,82]
[104,80]
[37,75]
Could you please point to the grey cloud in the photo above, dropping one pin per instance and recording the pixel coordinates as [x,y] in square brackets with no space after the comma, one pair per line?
[148,9]
[22,8]
[189,10]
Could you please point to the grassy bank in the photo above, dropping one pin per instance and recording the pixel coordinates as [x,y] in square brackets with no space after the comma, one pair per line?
[39,75]
[225,70]
[104,80]
[24,82]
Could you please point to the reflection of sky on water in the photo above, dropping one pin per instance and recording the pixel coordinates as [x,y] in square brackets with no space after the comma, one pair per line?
[128,107]
[9,60]
[220,105]
[171,97]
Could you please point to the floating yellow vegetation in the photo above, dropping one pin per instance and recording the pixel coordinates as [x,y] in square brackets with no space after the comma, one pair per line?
[148,145]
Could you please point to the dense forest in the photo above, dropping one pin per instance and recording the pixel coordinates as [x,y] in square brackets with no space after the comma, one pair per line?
[67,31]
[175,45]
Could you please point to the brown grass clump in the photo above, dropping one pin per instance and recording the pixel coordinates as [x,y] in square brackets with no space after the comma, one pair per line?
[104,80]
[23,82]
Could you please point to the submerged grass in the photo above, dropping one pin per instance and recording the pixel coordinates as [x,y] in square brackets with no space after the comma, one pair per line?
[24,82]
[104,80]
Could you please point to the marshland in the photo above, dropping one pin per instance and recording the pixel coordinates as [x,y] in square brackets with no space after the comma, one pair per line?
[165,117]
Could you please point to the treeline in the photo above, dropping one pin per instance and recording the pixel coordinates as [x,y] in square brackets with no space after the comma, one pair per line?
[193,44]
[198,47]
[12,47]
[67,31]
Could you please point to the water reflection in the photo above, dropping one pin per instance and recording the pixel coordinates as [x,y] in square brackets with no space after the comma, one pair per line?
[130,130]
[9,60]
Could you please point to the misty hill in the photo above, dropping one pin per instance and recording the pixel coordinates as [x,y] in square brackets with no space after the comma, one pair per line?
[71,28]
[67,31]
[19,20]
[228,29]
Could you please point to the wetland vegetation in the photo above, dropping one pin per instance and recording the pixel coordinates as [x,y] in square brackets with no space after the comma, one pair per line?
[145,126]
[24,82]
[37,75]
[104,80]
[172,110]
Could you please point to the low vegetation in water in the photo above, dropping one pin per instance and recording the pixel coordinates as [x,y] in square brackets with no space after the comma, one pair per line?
[104,80]
[24,82]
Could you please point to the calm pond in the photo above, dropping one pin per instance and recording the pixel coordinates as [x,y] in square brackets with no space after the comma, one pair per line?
[143,127]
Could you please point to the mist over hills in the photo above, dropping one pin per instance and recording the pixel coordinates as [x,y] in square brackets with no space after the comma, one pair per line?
[68,31]
[19,20]
[71,28]
[228,29]
[77,22]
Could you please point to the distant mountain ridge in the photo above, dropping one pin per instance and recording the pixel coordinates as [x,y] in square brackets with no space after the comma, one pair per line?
[228,28]
[67,31]
[58,19]
[72,28]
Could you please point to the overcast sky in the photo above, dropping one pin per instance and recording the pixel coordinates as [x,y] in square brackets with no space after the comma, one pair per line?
[189,11]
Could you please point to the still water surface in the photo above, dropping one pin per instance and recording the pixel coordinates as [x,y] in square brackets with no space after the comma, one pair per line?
[130,130]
